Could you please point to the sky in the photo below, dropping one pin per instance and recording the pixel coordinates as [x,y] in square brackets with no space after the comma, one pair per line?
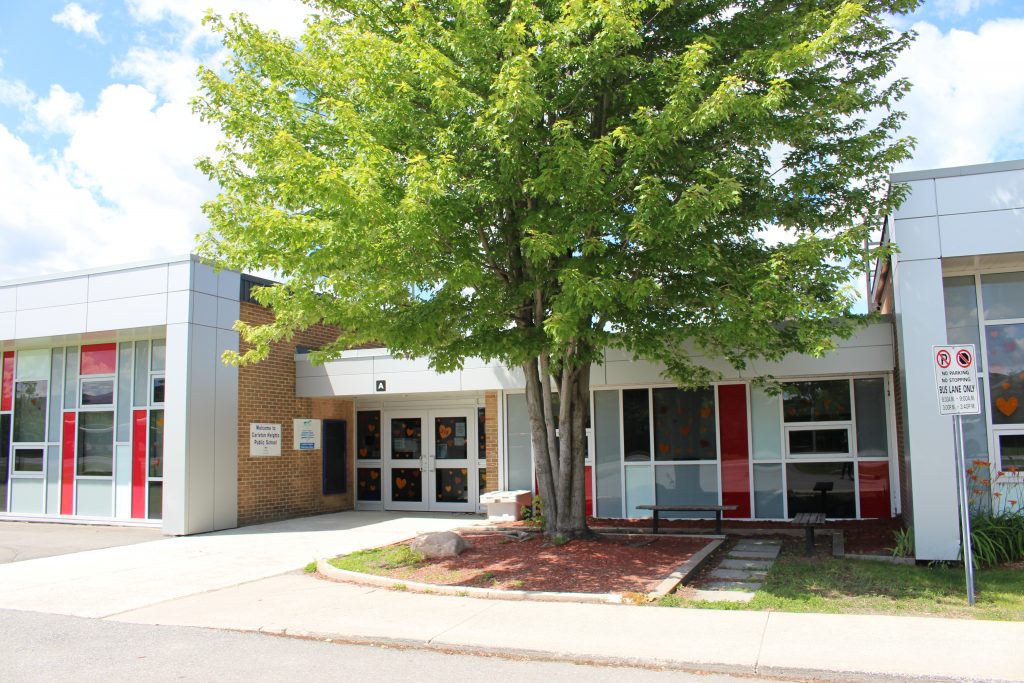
[98,140]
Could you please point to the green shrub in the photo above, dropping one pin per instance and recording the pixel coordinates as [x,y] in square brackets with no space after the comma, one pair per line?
[904,542]
[997,538]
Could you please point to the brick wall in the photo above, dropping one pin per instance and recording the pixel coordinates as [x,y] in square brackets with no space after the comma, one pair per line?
[272,488]
[491,430]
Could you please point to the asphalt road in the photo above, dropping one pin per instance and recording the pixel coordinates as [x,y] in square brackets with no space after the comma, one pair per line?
[45,647]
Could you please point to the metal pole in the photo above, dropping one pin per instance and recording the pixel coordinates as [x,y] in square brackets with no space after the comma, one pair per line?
[965,513]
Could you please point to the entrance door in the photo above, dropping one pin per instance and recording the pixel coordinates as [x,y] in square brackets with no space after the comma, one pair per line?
[430,460]
[452,460]
[405,461]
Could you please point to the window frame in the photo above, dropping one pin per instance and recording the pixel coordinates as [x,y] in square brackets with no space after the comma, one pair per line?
[997,455]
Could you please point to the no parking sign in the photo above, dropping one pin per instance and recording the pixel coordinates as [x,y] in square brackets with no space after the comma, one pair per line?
[956,386]
[956,379]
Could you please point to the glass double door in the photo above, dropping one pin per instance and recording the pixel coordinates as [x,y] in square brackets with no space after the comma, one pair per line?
[430,460]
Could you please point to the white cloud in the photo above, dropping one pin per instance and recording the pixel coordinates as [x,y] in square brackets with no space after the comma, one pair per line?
[968,97]
[56,112]
[958,8]
[76,18]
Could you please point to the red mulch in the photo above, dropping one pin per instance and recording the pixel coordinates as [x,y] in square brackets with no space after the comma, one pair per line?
[610,564]
[862,536]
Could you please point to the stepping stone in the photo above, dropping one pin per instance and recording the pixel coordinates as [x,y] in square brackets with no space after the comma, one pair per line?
[757,543]
[753,554]
[723,596]
[737,574]
[732,586]
[756,565]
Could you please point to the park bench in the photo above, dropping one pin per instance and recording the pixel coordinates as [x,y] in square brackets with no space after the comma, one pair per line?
[657,509]
[809,520]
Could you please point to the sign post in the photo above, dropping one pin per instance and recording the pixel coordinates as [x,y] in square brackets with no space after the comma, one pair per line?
[956,387]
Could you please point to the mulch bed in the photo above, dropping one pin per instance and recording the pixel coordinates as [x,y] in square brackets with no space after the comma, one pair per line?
[863,536]
[610,564]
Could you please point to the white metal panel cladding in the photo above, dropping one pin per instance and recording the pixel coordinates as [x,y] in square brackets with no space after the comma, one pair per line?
[136,281]
[980,192]
[917,238]
[992,232]
[920,200]
[868,351]
[59,292]
[929,442]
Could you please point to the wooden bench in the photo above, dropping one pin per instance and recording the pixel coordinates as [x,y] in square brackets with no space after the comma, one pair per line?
[809,520]
[657,509]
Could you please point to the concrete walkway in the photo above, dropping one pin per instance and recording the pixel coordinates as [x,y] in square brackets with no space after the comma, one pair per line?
[98,583]
[237,580]
[801,645]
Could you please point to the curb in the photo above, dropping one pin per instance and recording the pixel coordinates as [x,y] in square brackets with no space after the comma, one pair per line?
[785,673]
[882,558]
[680,575]
[325,568]
[684,571]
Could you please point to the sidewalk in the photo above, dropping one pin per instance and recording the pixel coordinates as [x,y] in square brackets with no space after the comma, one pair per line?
[818,645]
[247,580]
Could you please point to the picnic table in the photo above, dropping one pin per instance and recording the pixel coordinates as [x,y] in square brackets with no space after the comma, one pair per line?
[809,520]
[657,509]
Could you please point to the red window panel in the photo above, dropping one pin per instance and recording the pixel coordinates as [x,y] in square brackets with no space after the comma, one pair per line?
[7,381]
[99,359]
[874,489]
[139,436]
[590,491]
[732,426]
[67,470]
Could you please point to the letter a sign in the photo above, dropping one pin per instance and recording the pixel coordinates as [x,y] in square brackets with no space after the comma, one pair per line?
[956,379]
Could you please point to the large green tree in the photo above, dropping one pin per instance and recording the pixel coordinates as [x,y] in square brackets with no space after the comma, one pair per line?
[538,180]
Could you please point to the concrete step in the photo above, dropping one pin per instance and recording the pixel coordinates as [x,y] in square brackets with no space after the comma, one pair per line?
[753,554]
[738,575]
[755,565]
[732,586]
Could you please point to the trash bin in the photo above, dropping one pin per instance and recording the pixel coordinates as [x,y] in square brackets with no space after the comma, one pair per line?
[506,506]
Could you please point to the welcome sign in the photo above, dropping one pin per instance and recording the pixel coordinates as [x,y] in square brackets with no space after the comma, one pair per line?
[264,439]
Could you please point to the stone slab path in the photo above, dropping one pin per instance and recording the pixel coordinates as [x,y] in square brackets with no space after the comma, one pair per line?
[741,573]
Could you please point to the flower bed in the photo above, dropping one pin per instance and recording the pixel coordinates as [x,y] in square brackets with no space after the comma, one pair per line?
[609,564]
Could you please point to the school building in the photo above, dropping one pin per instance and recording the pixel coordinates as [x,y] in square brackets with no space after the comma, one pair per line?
[115,405]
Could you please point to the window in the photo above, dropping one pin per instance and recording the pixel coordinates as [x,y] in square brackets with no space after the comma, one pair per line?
[818,419]
[636,424]
[684,424]
[95,444]
[30,411]
[97,392]
[824,442]
[157,392]
[368,434]
[1005,344]
[821,401]
[28,460]
[156,444]
[1010,447]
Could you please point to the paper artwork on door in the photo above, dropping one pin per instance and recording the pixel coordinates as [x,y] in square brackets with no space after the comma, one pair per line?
[450,438]
[452,485]
[406,485]
[368,483]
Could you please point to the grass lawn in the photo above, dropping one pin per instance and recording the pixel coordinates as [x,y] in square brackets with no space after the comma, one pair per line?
[378,560]
[825,584]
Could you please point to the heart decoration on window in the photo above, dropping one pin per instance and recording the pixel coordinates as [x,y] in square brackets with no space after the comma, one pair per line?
[1007,406]
[400,483]
[444,431]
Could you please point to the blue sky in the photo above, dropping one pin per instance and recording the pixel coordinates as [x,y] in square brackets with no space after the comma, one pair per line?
[97,140]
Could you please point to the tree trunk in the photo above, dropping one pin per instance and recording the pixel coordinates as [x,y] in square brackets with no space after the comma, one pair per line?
[559,461]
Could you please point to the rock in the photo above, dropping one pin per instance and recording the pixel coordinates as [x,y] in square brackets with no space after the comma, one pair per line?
[439,544]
